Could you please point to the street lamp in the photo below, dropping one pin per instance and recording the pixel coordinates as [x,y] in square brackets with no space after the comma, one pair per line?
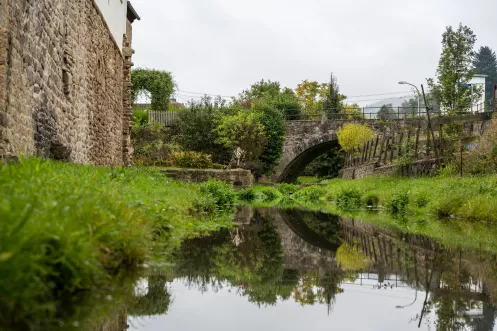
[415,298]
[419,94]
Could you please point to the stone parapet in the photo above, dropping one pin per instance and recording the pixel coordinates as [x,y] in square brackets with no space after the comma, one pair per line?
[239,178]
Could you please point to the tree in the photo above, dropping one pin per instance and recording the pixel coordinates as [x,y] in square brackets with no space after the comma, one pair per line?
[353,135]
[326,165]
[352,111]
[261,90]
[311,95]
[386,113]
[158,85]
[243,131]
[333,99]
[485,62]
[455,67]
[198,130]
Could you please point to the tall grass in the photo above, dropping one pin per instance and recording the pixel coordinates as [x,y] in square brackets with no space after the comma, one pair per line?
[70,229]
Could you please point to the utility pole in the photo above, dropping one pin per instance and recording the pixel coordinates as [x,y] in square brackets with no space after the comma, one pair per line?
[495,98]
[430,128]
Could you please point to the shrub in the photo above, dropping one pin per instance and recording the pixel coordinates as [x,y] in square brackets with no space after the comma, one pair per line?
[371,200]
[140,117]
[288,189]
[198,131]
[221,194]
[274,126]
[313,193]
[159,84]
[350,258]
[247,194]
[149,143]
[353,135]
[447,205]
[191,160]
[398,202]
[449,170]
[348,198]
[421,200]
[267,194]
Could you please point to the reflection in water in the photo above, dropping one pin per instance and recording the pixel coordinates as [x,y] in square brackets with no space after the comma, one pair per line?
[311,259]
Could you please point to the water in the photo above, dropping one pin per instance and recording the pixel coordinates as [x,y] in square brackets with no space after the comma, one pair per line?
[298,270]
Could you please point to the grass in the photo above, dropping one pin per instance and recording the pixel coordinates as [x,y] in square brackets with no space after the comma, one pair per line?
[69,229]
[308,180]
[467,198]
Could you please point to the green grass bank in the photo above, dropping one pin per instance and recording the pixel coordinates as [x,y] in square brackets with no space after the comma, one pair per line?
[67,230]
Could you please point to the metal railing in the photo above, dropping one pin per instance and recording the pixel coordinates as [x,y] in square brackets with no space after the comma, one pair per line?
[375,113]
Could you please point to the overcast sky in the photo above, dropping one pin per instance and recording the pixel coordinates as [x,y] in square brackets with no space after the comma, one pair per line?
[223,46]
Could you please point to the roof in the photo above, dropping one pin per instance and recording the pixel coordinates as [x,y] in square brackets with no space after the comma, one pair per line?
[480,75]
[132,14]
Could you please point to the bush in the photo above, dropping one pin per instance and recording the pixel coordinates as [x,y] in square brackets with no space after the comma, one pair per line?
[220,193]
[371,200]
[348,198]
[421,200]
[247,194]
[353,135]
[449,170]
[198,131]
[149,143]
[447,205]
[287,189]
[194,160]
[398,203]
[274,126]
[267,194]
[140,117]
[313,193]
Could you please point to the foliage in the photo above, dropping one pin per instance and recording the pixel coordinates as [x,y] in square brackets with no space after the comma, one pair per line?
[287,189]
[282,99]
[140,117]
[352,112]
[67,231]
[274,127]
[260,194]
[325,165]
[348,198]
[311,95]
[220,192]
[371,200]
[485,62]
[398,202]
[482,158]
[351,258]
[190,159]
[155,302]
[353,135]
[149,144]
[198,130]
[455,67]
[159,84]
[332,102]
[242,130]
[386,113]
[312,194]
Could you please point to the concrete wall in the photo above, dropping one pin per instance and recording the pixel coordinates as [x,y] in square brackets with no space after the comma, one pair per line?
[63,88]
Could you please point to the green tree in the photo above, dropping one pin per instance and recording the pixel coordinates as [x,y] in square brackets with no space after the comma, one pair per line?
[311,95]
[386,112]
[261,90]
[243,131]
[273,122]
[332,102]
[198,129]
[158,85]
[455,66]
[485,62]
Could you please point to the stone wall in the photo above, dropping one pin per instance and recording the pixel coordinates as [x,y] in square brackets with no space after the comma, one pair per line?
[239,178]
[61,83]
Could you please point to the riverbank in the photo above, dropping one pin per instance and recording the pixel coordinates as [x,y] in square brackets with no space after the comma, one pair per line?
[69,229]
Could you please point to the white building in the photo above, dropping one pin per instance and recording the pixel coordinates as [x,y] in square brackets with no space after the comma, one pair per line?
[478,82]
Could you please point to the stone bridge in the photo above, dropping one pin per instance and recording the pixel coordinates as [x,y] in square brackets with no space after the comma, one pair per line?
[306,140]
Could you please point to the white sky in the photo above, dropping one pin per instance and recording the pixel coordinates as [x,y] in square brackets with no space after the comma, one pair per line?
[223,46]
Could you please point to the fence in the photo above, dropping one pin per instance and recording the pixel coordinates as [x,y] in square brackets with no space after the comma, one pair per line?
[168,118]
[375,113]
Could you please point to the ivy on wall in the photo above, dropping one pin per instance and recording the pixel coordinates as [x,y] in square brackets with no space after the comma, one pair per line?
[159,84]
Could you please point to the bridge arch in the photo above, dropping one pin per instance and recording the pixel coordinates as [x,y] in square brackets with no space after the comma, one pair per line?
[304,142]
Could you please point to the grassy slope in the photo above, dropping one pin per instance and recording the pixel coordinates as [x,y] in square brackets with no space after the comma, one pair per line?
[67,228]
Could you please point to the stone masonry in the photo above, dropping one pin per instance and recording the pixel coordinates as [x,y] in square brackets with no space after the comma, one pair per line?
[64,83]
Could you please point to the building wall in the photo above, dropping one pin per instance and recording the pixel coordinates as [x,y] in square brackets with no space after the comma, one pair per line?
[114,14]
[61,83]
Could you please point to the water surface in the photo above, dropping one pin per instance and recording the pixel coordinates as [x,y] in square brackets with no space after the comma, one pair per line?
[298,270]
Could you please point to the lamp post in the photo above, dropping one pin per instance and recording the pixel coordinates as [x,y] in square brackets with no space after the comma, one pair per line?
[415,298]
[419,94]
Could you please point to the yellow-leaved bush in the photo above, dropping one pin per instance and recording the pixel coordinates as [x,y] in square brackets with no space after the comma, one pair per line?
[353,135]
